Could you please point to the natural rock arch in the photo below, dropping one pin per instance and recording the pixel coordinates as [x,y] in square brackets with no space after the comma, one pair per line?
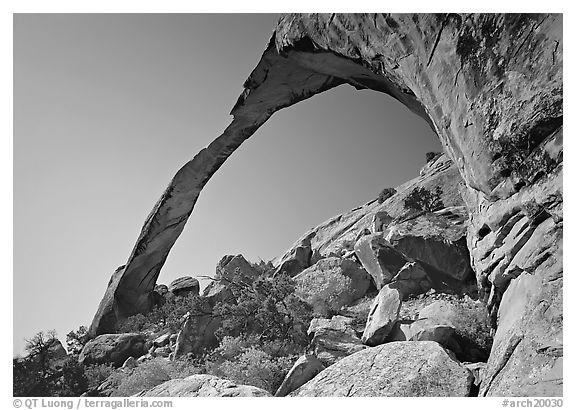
[490,85]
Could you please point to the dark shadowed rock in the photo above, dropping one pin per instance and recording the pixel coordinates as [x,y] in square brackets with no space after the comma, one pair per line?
[305,368]
[203,385]
[185,286]
[383,315]
[297,259]
[405,369]
[412,279]
[379,258]
[112,348]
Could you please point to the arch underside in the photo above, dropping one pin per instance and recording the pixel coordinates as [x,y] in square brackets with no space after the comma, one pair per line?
[491,88]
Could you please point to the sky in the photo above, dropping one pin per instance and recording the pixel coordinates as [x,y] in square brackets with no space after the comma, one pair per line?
[108,107]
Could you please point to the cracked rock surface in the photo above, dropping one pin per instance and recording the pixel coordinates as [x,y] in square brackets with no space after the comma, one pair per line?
[396,369]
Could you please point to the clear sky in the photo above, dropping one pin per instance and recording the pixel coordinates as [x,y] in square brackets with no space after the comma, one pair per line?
[108,107]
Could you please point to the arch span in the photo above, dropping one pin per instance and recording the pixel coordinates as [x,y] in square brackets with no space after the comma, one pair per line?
[490,85]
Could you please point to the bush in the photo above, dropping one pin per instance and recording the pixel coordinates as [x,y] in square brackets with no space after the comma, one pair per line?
[421,199]
[326,291]
[167,316]
[253,366]
[75,340]
[147,375]
[42,373]
[96,374]
[473,325]
[385,194]
[268,308]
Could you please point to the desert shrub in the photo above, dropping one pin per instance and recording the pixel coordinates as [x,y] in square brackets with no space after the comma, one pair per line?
[96,374]
[147,375]
[432,155]
[385,194]
[253,366]
[473,325]
[167,316]
[325,291]
[268,308]
[421,199]
[75,340]
[41,373]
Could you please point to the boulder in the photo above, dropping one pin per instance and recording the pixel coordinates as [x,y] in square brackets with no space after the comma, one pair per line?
[112,348]
[332,283]
[438,241]
[330,346]
[163,351]
[405,369]
[197,332]
[162,340]
[412,280]
[305,368]
[184,286]
[333,339]
[130,363]
[228,270]
[203,385]
[379,258]
[383,314]
[297,259]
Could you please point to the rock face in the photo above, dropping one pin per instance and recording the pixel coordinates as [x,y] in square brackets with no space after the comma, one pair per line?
[333,282]
[383,315]
[408,369]
[112,348]
[490,85]
[203,385]
[184,286]
[305,368]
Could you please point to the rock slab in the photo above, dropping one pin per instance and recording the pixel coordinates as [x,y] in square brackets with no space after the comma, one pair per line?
[397,369]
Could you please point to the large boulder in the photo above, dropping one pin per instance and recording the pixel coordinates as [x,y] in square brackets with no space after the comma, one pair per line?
[383,315]
[112,348]
[406,369]
[229,270]
[297,259]
[379,258]
[456,325]
[333,339]
[305,368]
[412,279]
[332,283]
[197,332]
[203,385]
[184,286]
